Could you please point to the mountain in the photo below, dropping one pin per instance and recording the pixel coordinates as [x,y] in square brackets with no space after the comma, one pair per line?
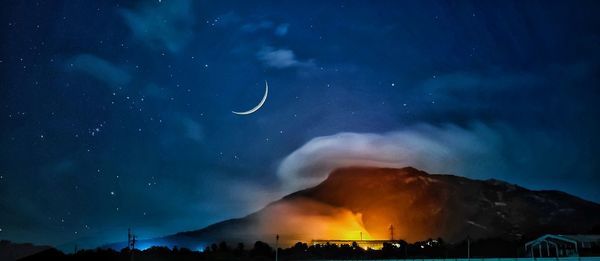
[367,201]
[13,251]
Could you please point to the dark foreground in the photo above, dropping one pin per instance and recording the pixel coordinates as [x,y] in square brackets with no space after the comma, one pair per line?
[430,249]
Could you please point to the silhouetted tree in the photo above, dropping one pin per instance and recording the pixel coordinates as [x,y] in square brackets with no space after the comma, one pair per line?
[262,249]
[223,247]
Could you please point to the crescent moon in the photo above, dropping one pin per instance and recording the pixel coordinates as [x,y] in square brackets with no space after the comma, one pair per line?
[260,104]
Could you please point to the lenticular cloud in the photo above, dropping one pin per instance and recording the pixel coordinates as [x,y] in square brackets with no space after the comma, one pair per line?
[474,151]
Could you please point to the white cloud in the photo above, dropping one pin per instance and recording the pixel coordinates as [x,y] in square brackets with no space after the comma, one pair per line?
[166,25]
[282,29]
[253,27]
[99,68]
[281,58]
[266,25]
[478,151]
[193,129]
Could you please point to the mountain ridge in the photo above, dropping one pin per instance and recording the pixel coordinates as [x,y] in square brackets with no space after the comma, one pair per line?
[367,200]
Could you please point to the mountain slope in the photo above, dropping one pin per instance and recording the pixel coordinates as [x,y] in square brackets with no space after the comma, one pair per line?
[367,201]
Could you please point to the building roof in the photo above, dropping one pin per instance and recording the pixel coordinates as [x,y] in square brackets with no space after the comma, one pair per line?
[574,239]
[583,238]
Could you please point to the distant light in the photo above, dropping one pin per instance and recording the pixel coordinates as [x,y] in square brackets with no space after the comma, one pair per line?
[144,246]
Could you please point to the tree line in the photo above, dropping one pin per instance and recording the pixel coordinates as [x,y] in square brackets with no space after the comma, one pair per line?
[432,248]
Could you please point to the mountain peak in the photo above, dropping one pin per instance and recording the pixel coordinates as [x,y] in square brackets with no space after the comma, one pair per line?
[367,169]
[370,172]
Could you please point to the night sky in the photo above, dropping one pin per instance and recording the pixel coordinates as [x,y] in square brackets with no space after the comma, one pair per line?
[117,114]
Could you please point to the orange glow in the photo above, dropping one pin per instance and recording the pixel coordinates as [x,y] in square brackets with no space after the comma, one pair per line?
[351,201]
[304,220]
[415,204]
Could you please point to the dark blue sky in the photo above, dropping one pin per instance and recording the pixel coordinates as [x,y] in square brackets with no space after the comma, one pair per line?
[118,114]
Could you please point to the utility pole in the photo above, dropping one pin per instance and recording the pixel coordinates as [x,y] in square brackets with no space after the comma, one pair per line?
[130,243]
[391,232]
[132,246]
[133,242]
[360,235]
[276,247]
[130,239]
[468,247]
